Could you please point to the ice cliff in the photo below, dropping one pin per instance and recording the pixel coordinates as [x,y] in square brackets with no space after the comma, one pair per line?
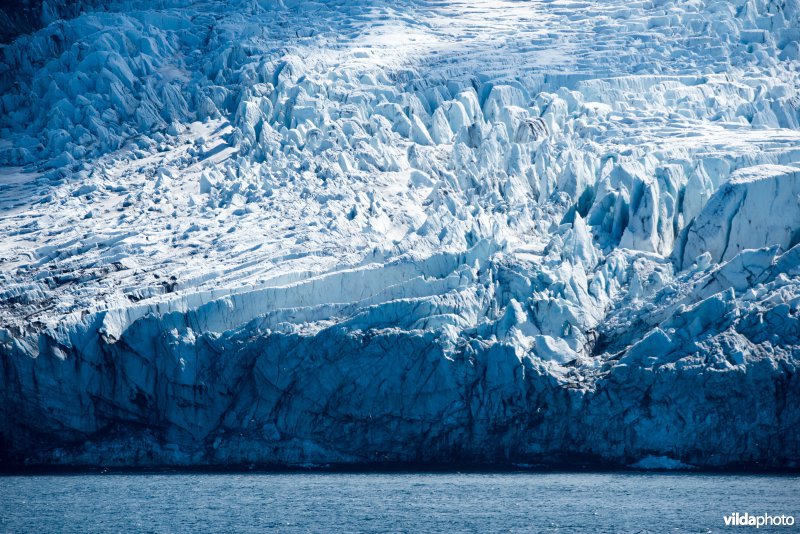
[350,231]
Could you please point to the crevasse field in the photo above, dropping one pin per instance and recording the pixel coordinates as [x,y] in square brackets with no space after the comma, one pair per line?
[353,232]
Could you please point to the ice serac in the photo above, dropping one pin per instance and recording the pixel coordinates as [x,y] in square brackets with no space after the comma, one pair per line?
[757,207]
[285,232]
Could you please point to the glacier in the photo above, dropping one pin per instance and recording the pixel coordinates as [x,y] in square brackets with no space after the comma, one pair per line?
[285,232]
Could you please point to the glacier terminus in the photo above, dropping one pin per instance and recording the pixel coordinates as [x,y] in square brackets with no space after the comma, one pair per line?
[323,232]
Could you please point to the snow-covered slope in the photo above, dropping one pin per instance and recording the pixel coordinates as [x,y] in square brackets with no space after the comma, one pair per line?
[285,231]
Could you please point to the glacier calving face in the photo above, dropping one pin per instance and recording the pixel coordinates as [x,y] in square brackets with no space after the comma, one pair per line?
[358,231]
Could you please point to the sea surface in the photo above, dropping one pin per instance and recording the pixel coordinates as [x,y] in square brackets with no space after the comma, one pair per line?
[393,502]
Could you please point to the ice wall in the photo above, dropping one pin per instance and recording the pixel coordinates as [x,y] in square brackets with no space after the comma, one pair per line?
[315,232]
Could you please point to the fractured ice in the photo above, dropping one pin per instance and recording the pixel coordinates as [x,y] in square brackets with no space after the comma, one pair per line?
[286,231]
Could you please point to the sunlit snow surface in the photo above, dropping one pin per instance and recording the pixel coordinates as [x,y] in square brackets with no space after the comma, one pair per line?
[402,231]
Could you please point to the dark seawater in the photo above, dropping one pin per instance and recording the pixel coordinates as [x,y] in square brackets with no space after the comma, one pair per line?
[397,502]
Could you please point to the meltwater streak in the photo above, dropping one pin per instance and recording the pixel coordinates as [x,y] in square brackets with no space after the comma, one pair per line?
[405,502]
